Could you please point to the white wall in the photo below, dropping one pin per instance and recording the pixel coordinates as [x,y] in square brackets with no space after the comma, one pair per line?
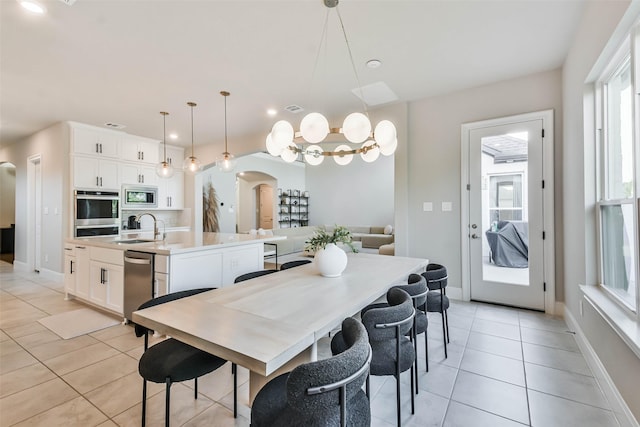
[359,193]
[598,24]
[52,145]
[7,195]
[434,160]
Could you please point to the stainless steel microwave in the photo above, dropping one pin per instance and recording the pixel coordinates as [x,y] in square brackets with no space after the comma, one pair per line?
[139,197]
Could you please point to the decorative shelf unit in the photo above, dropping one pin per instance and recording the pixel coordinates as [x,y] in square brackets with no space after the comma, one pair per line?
[293,208]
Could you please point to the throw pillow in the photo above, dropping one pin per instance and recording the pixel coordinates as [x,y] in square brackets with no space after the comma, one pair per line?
[388,229]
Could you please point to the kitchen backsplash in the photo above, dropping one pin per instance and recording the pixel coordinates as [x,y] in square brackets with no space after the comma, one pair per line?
[181,218]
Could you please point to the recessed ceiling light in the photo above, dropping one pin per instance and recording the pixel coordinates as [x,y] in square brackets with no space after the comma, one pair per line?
[272,112]
[374,63]
[32,6]
[173,135]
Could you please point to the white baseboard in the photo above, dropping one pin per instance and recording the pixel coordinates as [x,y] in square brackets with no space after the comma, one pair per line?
[20,266]
[619,406]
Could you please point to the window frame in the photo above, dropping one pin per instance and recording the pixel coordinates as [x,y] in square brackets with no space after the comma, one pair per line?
[628,51]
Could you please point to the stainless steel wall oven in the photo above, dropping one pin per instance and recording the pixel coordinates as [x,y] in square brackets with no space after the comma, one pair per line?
[97,213]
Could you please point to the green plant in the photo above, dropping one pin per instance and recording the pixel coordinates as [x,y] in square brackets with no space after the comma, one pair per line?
[321,238]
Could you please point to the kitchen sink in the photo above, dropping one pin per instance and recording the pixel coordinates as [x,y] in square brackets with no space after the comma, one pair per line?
[130,241]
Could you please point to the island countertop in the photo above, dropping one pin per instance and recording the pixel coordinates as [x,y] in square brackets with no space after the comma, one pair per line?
[176,242]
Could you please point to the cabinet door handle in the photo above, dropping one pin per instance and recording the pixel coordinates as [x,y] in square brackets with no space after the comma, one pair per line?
[142,178]
[70,267]
[102,276]
[101,148]
[97,149]
[97,181]
[100,181]
[142,153]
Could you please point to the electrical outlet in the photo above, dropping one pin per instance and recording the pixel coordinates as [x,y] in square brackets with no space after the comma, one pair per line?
[427,206]
[46,258]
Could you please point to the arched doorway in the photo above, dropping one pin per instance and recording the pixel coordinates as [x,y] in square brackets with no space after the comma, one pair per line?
[255,201]
[7,211]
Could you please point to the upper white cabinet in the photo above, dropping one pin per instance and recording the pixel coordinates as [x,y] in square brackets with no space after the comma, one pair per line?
[95,141]
[133,173]
[92,172]
[138,149]
[175,156]
[171,191]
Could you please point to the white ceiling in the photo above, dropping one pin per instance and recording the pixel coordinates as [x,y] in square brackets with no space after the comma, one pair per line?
[125,61]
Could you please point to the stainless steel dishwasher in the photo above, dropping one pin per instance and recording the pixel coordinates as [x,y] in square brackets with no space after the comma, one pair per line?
[138,280]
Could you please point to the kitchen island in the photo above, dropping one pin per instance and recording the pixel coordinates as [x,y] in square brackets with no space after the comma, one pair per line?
[95,267]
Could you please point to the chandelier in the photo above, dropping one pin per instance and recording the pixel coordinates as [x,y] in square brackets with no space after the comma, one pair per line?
[283,141]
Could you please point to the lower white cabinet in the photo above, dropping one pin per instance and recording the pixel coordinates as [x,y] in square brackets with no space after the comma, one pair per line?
[107,285]
[76,271]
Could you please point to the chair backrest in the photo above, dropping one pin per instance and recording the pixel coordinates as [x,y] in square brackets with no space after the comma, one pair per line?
[295,263]
[417,289]
[315,388]
[141,330]
[399,310]
[436,276]
[252,275]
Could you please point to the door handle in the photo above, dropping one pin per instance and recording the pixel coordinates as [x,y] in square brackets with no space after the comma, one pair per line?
[474,226]
[474,236]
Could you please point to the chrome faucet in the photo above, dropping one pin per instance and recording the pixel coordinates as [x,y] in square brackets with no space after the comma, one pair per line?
[156,232]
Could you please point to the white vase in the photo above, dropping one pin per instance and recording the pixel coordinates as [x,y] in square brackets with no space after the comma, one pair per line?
[330,261]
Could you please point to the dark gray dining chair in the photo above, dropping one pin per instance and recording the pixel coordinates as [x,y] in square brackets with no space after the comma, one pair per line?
[323,393]
[393,353]
[253,274]
[437,300]
[172,361]
[295,263]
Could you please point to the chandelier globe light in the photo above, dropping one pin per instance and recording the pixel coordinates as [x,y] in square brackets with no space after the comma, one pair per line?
[164,169]
[226,162]
[285,142]
[191,163]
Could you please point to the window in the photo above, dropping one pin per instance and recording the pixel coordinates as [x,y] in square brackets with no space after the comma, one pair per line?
[505,197]
[617,192]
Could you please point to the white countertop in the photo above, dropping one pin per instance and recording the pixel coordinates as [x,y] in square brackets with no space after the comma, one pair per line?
[176,242]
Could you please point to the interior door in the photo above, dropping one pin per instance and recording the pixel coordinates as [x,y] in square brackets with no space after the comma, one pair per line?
[265,209]
[506,214]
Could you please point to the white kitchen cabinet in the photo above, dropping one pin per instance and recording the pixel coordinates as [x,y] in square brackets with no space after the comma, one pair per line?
[175,156]
[171,191]
[139,149]
[92,172]
[107,285]
[76,271]
[135,173]
[95,141]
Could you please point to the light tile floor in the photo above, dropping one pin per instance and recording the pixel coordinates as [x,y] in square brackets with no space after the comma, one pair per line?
[506,367]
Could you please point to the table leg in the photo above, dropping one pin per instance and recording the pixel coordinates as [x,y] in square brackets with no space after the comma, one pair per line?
[257,381]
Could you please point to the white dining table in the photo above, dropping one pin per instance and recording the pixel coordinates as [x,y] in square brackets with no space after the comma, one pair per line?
[272,323]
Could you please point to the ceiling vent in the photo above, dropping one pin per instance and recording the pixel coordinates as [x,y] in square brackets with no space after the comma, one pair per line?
[68,2]
[114,125]
[375,94]
[294,108]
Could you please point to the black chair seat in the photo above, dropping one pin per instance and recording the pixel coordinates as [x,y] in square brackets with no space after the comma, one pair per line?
[422,322]
[433,302]
[176,360]
[253,275]
[295,263]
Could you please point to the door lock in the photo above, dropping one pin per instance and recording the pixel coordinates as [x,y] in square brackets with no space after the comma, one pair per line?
[474,236]
[474,226]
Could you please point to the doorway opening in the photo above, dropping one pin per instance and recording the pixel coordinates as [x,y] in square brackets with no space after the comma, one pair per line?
[34,213]
[7,211]
[255,201]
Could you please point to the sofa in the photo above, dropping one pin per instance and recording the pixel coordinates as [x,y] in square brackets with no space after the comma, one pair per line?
[363,236]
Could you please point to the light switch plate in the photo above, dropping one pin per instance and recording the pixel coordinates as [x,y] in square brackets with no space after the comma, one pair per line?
[427,206]
[446,206]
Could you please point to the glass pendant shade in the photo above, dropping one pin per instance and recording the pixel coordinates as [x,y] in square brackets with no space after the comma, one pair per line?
[164,170]
[191,164]
[282,134]
[313,155]
[314,128]
[226,162]
[289,155]
[344,159]
[372,154]
[385,133]
[356,128]
[388,150]
[273,148]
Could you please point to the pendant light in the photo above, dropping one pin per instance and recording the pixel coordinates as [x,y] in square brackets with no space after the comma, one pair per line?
[191,163]
[164,168]
[226,162]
